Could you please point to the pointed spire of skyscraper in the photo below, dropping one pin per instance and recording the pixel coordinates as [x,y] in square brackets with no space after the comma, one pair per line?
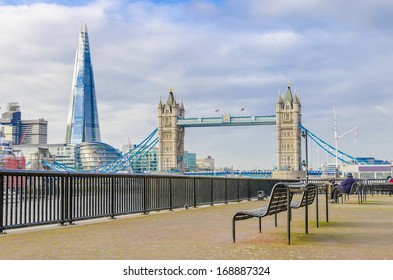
[83,28]
[83,125]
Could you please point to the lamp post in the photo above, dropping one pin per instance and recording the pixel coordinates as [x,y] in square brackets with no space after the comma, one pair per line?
[305,163]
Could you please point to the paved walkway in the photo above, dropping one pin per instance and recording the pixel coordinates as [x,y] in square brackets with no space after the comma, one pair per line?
[355,231]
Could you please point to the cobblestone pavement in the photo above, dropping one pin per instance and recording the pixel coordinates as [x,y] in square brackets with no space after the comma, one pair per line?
[354,231]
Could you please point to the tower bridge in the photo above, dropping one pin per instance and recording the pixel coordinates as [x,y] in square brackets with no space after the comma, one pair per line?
[172,123]
[226,120]
[171,137]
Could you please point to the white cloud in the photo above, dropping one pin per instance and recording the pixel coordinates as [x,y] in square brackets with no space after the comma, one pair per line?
[383,110]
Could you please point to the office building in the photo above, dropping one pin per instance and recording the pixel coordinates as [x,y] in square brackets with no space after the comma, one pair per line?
[34,131]
[146,161]
[82,124]
[190,161]
[205,164]
[18,131]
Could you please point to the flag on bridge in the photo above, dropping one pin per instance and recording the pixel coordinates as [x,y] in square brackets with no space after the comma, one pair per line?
[242,109]
[217,110]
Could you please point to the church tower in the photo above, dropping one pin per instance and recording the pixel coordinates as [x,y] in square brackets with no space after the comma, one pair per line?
[171,136]
[288,137]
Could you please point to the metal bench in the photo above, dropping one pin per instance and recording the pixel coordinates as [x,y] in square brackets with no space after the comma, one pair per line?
[356,188]
[279,201]
[308,194]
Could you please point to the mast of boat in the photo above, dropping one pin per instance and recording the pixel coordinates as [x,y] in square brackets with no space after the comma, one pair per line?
[338,137]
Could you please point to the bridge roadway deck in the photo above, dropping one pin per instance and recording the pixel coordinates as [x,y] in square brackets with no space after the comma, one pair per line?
[355,231]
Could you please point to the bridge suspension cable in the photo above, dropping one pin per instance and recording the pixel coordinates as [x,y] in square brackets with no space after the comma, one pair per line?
[57,166]
[132,156]
[344,157]
[124,162]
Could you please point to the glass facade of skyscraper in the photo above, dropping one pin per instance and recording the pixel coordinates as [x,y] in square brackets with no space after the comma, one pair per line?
[83,125]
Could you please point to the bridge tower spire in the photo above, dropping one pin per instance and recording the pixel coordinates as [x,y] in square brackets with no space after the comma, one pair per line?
[288,137]
[171,136]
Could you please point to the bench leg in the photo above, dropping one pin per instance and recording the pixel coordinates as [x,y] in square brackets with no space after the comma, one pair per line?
[306,217]
[260,225]
[233,230]
[275,219]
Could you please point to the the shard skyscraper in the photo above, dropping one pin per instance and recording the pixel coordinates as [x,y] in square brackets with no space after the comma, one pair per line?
[82,124]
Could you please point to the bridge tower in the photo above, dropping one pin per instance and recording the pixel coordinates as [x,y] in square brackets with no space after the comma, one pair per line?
[288,137]
[171,136]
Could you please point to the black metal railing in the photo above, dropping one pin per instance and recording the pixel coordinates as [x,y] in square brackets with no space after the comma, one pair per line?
[368,186]
[29,198]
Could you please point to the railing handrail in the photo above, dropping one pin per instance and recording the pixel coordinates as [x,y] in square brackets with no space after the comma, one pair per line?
[29,198]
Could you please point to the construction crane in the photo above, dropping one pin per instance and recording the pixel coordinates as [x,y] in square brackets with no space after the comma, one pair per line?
[22,139]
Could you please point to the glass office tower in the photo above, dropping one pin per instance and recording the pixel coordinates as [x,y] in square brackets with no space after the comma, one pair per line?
[82,125]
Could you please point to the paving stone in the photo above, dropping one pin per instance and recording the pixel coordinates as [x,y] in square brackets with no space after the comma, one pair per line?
[355,231]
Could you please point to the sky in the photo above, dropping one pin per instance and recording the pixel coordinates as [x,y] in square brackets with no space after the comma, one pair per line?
[216,55]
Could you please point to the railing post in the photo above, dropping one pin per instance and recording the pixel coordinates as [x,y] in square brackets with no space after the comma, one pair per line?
[144,196]
[112,197]
[317,204]
[249,189]
[65,200]
[170,195]
[61,198]
[238,190]
[69,198]
[1,203]
[195,196]
[327,205]
[289,215]
[226,191]
[211,192]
